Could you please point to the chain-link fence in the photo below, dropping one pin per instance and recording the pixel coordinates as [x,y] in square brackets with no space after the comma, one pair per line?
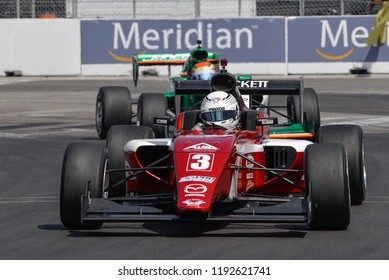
[313,7]
[171,9]
[32,8]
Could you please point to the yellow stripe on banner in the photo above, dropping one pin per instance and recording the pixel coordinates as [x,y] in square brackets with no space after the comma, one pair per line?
[335,57]
[120,58]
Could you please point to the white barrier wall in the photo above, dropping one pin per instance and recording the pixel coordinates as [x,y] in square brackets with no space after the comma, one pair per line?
[317,45]
[40,47]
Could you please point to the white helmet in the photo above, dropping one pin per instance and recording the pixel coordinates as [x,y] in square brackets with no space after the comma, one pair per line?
[221,109]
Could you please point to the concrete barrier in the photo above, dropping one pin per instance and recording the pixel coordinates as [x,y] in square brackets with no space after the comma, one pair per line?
[40,47]
[277,46]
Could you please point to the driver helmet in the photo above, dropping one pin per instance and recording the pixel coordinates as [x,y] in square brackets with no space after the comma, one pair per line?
[203,71]
[221,109]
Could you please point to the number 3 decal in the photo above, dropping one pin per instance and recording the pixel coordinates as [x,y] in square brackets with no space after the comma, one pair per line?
[198,162]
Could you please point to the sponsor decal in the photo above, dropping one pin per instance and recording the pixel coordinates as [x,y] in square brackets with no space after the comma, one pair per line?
[216,99]
[248,163]
[267,121]
[201,147]
[334,57]
[203,179]
[200,162]
[250,184]
[195,190]
[217,109]
[161,121]
[193,202]
[333,39]
[246,100]
[241,40]
[249,176]
[128,173]
[136,37]
[119,58]
[252,84]
[178,56]
[341,32]
[155,39]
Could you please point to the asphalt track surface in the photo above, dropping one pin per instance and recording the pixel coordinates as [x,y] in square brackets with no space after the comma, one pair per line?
[39,117]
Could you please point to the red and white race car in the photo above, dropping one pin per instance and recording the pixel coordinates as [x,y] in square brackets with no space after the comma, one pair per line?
[294,172]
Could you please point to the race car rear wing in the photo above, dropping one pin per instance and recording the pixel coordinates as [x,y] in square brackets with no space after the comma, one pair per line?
[270,87]
[246,88]
[164,59]
[249,87]
[274,87]
[192,87]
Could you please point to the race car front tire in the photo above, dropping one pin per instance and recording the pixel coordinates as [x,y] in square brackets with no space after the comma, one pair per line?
[327,186]
[113,106]
[152,105]
[351,136]
[83,168]
[117,137]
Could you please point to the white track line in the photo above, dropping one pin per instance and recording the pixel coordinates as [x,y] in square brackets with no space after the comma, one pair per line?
[33,199]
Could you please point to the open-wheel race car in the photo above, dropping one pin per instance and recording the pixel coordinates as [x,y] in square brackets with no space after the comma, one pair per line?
[114,103]
[265,170]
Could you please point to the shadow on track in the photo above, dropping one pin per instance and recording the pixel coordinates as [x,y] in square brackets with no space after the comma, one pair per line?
[185,230]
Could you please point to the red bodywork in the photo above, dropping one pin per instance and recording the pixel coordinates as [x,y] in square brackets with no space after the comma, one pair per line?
[204,169]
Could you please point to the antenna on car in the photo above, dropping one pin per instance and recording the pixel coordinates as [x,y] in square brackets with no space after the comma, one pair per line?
[198,43]
[223,64]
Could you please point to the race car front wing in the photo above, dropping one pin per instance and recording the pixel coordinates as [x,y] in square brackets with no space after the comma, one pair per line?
[108,210]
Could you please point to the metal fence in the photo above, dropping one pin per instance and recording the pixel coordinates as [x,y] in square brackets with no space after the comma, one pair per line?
[171,9]
[313,7]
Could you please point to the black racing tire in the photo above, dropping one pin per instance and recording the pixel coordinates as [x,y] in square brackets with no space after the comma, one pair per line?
[311,107]
[82,163]
[117,137]
[327,186]
[152,105]
[113,106]
[351,136]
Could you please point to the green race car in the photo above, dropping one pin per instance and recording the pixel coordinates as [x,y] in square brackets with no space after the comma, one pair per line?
[114,104]
[187,60]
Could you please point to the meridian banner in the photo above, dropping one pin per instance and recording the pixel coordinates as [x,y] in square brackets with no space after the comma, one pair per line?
[240,40]
[333,39]
[303,41]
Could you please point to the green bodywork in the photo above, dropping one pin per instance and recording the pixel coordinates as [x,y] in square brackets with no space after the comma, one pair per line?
[293,128]
[188,60]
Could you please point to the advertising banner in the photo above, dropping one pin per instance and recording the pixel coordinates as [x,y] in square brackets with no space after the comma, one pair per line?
[240,40]
[333,39]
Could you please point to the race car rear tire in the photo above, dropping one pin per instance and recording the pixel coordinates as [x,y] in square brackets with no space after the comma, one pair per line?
[311,107]
[351,136]
[83,167]
[113,106]
[117,137]
[152,105]
[327,186]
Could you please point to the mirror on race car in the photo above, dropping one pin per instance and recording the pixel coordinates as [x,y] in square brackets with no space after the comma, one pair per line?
[224,82]
[223,62]
[166,121]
